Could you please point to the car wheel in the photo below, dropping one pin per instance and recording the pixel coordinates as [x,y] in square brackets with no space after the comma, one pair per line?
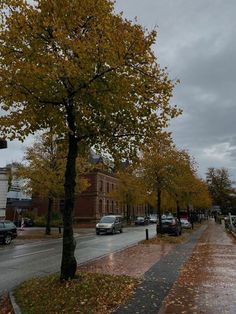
[121,230]
[7,239]
[97,232]
[113,231]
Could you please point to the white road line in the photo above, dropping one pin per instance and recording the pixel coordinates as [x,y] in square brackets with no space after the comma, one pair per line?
[33,253]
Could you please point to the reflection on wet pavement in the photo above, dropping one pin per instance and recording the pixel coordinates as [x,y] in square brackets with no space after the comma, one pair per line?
[134,261]
[207,283]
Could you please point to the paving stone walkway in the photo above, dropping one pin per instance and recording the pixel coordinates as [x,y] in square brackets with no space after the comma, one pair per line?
[159,279]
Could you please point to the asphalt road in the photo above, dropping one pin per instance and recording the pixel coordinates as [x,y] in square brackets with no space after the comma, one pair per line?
[21,262]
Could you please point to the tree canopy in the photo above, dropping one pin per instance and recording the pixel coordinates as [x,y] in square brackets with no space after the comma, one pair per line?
[85,58]
[43,168]
[86,71]
[220,186]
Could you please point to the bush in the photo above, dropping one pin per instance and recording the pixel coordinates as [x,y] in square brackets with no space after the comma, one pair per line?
[40,221]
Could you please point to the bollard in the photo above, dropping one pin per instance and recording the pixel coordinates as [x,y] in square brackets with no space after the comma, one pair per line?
[147,238]
[59,229]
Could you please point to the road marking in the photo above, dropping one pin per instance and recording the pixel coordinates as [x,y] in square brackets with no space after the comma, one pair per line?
[33,253]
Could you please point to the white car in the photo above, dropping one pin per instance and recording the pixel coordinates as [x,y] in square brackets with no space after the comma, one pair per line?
[153,218]
[185,223]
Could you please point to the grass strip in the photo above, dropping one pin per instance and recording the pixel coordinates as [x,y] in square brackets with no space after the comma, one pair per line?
[87,293]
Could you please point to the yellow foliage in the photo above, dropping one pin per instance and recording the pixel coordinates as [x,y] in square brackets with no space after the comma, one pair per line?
[44,168]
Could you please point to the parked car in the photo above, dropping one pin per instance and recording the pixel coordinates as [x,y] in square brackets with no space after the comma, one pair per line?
[109,224]
[153,219]
[141,221]
[8,231]
[185,223]
[28,222]
[170,225]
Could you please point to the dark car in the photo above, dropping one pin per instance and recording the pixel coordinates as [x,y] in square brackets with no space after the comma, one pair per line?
[170,225]
[8,231]
[141,221]
[28,222]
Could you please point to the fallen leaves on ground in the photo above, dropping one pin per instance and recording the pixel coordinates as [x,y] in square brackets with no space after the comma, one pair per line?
[87,293]
[165,238]
[5,305]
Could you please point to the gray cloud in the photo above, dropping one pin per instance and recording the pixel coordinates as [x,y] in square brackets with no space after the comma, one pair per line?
[196,42]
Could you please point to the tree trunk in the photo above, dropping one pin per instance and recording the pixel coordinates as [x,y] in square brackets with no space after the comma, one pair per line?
[188,211]
[49,216]
[69,264]
[128,214]
[159,209]
[178,209]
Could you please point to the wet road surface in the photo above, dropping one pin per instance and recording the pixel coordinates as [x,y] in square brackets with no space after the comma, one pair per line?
[207,282]
[34,259]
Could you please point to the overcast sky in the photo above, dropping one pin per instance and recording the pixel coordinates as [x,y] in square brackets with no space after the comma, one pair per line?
[196,41]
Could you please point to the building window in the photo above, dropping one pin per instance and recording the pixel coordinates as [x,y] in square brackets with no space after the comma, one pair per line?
[101,186]
[107,206]
[108,187]
[100,207]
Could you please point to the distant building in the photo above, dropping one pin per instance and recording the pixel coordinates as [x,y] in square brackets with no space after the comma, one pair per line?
[3,191]
[17,201]
[96,200]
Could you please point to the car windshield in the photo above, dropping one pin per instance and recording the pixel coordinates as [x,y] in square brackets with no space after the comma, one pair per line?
[140,218]
[10,225]
[107,219]
[167,219]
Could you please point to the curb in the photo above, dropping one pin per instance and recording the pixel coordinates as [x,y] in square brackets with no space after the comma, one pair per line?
[15,307]
[233,234]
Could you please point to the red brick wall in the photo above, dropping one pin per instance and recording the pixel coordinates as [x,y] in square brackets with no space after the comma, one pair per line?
[86,209]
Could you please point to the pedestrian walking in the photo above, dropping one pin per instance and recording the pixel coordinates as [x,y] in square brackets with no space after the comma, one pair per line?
[22,223]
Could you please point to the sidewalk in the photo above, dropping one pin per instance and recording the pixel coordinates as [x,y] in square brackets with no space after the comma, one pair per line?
[194,277]
[207,284]
[158,265]
[159,279]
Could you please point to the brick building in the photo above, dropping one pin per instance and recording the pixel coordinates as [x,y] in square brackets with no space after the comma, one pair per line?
[95,202]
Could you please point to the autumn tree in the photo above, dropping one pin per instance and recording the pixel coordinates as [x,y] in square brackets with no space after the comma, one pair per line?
[86,71]
[201,198]
[43,169]
[129,190]
[220,185]
[158,167]
[184,173]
